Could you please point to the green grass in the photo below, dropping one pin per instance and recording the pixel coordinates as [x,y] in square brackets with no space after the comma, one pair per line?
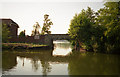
[24,45]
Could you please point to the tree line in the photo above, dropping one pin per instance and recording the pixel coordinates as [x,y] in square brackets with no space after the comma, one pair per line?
[36,27]
[45,29]
[5,33]
[97,31]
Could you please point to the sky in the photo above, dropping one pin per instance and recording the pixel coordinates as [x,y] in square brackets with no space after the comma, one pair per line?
[27,13]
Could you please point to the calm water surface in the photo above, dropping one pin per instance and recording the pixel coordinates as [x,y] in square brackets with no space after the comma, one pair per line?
[60,61]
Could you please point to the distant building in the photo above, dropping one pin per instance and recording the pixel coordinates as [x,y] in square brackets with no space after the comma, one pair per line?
[13,26]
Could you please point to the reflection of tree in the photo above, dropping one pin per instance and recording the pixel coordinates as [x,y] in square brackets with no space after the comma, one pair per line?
[46,67]
[35,64]
[93,64]
[23,63]
[8,60]
[35,56]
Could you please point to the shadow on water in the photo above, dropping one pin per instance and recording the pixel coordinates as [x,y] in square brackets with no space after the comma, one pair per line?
[8,60]
[94,64]
[43,62]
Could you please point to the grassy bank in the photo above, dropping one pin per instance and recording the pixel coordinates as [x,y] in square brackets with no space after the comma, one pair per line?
[23,46]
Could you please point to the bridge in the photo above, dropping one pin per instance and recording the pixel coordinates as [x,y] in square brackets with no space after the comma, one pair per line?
[59,36]
[46,39]
[49,38]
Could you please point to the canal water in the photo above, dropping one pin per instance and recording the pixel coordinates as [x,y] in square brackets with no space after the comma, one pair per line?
[60,61]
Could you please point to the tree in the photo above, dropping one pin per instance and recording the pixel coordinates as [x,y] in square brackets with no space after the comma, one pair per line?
[99,31]
[5,33]
[22,34]
[90,14]
[108,17]
[80,30]
[46,25]
[84,31]
[36,29]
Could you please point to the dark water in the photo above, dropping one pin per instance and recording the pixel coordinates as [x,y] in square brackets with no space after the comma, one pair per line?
[60,61]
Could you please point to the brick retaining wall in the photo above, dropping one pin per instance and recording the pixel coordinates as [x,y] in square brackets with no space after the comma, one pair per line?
[28,39]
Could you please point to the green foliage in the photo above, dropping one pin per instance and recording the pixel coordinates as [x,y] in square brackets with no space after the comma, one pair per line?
[108,17]
[46,25]
[0,32]
[20,45]
[22,34]
[5,33]
[81,28]
[97,31]
[36,28]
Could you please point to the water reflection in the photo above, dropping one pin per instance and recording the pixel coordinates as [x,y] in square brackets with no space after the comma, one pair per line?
[8,61]
[45,62]
[46,68]
[94,64]
[35,64]
[61,48]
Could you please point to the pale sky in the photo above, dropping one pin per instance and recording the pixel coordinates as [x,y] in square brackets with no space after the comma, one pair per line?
[27,13]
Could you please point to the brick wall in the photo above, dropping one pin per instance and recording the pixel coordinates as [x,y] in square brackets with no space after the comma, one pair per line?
[28,39]
[13,26]
[13,31]
[43,39]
